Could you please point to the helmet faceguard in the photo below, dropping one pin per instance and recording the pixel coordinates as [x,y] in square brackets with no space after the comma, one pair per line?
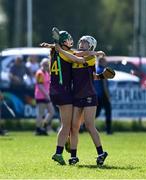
[65,39]
[87,39]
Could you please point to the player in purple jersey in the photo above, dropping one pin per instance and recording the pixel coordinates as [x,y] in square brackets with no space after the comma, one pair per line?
[84,99]
[60,89]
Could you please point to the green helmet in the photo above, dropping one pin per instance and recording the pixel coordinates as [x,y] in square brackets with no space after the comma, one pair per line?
[64,36]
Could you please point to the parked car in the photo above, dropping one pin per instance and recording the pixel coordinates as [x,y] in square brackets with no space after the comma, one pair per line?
[127,98]
[124,80]
[21,100]
[8,56]
[131,65]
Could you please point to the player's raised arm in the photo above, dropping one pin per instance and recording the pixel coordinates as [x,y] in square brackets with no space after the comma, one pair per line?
[89,53]
[47,45]
[70,56]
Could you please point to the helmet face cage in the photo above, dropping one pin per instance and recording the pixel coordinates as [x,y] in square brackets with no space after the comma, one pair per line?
[91,41]
[65,39]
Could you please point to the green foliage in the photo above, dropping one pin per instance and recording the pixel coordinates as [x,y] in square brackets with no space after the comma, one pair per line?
[26,156]
[117,126]
[109,21]
[118,26]
[3,31]
[122,126]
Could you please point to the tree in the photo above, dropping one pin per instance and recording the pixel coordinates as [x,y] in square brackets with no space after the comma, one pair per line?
[109,21]
[3,32]
[78,17]
[118,26]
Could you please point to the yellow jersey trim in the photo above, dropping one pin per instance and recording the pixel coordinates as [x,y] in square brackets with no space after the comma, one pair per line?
[91,60]
[63,57]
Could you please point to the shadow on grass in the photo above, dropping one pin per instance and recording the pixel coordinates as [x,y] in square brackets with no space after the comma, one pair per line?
[108,167]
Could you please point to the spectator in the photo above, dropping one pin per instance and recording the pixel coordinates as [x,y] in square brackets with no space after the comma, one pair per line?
[2,130]
[18,74]
[42,96]
[103,95]
[33,65]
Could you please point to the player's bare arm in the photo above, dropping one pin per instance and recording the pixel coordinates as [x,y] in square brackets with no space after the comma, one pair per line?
[73,58]
[89,53]
[47,45]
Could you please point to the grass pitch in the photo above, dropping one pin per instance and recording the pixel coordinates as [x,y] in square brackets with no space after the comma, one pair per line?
[24,155]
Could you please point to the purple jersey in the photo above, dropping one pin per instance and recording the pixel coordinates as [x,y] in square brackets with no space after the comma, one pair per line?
[83,79]
[61,74]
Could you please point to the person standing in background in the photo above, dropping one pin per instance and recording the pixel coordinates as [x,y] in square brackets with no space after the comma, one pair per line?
[42,96]
[33,65]
[103,95]
[3,132]
[18,74]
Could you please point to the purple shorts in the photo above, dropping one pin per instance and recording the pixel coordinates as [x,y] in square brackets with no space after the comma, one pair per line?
[61,99]
[85,102]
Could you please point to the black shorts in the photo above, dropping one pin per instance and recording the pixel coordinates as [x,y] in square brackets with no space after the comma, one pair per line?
[45,101]
[85,102]
[61,99]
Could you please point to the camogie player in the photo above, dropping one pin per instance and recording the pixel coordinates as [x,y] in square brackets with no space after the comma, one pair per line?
[84,97]
[61,90]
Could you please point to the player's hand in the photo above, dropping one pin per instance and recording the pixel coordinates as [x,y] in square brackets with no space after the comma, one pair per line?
[95,77]
[47,45]
[109,73]
[100,53]
[44,44]
[57,47]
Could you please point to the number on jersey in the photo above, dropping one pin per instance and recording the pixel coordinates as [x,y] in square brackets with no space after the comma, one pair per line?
[54,68]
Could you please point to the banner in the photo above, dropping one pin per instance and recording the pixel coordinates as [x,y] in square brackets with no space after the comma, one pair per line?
[128,102]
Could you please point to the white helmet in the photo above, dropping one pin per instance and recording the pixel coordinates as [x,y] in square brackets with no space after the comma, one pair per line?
[91,41]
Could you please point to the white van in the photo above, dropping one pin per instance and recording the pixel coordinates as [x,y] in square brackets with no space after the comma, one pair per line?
[8,56]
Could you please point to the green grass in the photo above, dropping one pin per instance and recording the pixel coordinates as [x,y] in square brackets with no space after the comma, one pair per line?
[23,155]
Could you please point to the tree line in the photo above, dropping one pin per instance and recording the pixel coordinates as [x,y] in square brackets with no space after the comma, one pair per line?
[109,21]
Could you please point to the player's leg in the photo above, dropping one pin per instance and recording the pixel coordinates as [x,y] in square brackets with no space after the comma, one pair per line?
[89,115]
[99,107]
[108,116]
[66,117]
[68,142]
[82,126]
[39,119]
[49,115]
[76,122]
